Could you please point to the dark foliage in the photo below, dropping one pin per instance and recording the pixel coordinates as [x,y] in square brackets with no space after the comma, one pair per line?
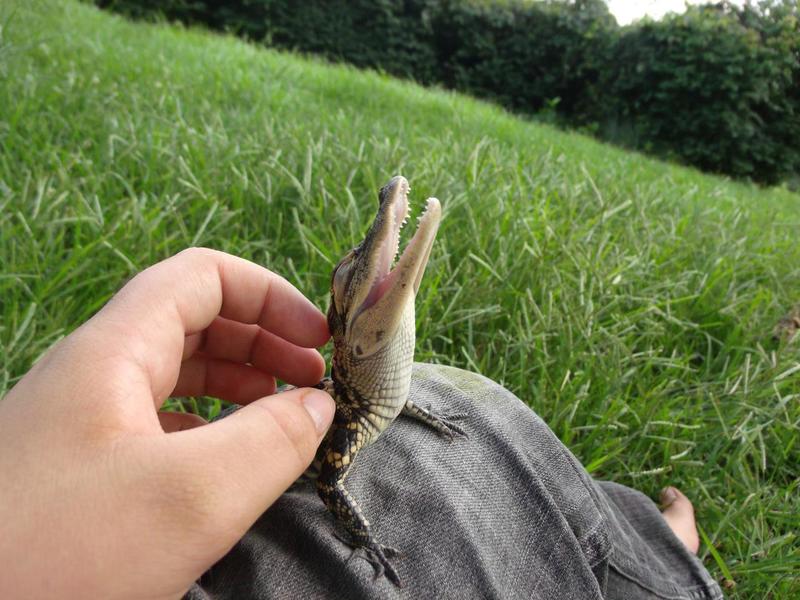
[717,87]
[526,56]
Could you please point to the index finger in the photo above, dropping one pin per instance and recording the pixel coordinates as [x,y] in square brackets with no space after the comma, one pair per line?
[183,294]
[200,284]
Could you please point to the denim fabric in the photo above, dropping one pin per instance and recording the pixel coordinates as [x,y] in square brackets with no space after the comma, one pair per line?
[506,513]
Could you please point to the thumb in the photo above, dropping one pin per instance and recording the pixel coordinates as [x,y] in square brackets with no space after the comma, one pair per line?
[245,461]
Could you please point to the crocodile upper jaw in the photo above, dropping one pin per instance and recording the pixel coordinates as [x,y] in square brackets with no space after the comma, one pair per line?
[368,297]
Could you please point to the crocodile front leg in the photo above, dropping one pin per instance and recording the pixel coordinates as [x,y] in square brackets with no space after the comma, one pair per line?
[347,437]
[443,425]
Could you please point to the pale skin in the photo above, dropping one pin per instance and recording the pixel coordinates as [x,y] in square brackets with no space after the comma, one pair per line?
[106,496]
[679,515]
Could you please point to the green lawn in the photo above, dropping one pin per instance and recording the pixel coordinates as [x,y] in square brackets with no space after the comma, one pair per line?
[628,301]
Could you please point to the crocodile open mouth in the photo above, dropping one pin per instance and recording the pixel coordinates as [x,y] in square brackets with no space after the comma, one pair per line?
[407,273]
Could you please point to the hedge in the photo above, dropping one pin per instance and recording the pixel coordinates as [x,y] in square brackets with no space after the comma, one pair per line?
[717,87]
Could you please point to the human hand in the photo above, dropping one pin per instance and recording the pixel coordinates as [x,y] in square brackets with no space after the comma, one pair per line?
[102,496]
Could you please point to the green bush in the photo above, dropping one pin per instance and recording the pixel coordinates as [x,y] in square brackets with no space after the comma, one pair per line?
[387,34]
[714,87]
[717,87]
[527,56]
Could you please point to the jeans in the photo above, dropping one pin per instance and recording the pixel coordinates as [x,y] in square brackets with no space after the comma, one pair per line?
[507,512]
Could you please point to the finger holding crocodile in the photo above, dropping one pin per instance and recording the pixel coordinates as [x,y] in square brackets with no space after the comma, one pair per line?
[249,344]
[182,295]
[201,283]
[253,294]
[234,382]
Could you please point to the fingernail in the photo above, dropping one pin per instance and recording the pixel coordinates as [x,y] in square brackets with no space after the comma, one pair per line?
[320,406]
[668,495]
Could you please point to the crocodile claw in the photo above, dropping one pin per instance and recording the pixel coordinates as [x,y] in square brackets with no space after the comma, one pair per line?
[450,429]
[443,425]
[378,556]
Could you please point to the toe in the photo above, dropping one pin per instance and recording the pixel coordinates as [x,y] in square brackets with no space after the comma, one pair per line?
[679,515]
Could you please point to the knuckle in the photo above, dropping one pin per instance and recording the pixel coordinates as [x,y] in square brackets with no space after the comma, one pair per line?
[197,257]
[200,258]
[196,252]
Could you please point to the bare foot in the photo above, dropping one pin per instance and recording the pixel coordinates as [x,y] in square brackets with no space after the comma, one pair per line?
[679,514]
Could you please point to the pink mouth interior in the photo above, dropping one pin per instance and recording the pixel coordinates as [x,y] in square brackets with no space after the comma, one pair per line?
[384,277]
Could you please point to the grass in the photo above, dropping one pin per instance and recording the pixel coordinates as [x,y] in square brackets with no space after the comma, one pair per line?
[628,301]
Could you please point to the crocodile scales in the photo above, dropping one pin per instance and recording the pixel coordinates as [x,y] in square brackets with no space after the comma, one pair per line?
[371,319]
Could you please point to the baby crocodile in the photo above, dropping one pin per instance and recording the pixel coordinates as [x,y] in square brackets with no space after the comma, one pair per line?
[371,319]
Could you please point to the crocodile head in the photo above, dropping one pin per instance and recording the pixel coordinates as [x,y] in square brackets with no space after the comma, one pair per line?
[371,314]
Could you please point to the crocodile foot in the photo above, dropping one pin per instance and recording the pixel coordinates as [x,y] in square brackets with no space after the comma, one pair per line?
[379,557]
[442,424]
[375,554]
[449,429]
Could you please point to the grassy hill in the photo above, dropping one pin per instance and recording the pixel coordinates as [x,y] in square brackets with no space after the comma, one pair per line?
[628,301]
